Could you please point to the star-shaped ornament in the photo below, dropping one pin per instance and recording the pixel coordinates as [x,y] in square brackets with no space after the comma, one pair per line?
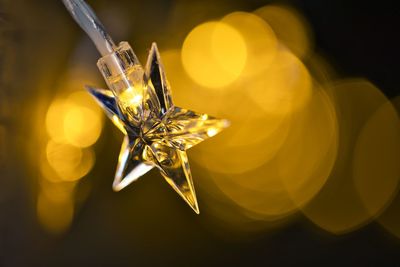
[157,133]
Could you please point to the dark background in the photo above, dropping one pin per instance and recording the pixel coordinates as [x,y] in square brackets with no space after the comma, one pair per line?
[143,225]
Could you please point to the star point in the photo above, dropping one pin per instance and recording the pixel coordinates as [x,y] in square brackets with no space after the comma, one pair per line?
[157,133]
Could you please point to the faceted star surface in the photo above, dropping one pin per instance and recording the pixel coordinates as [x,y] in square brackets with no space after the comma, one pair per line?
[157,133]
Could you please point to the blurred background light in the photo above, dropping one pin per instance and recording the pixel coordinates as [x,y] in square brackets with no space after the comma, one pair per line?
[69,162]
[76,120]
[284,87]
[347,201]
[283,144]
[74,123]
[390,219]
[290,27]
[214,54]
[55,208]
[376,168]
[83,120]
[259,38]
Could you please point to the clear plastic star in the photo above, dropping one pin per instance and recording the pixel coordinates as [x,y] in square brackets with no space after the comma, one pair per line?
[157,133]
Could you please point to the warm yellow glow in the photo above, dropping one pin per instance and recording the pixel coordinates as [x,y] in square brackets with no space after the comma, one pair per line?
[204,117]
[259,38]
[54,120]
[320,69]
[82,120]
[376,168]
[390,218]
[54,216]
[273,177]
[75,120]
[214,54]
[261,124]
[82,126]
[186,92]
[63,158]
[82,99]
[362,182]
[87,162]
[273,89]
[269,201]
[69,162]
[284,87]
[212,131]
[131,97]
[306,159]
[262,121]
[57,192]
[289,26]
[227,153]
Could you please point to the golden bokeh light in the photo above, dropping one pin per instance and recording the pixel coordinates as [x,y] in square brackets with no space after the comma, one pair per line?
[320,69]
[376,167]
[63,158]
[54,120]
[57,192]
[269,201]
[69,162]
[73,124]
[251,129]
[185,91]
[247,161]
[289,136]
[292,176]
[244,155]
[284,87]
[75,120]
[390,218]
[289,26]
[54,216]
[346,202]
[82,126]
[306,159]
[259,38]
[214,54]
[263,120]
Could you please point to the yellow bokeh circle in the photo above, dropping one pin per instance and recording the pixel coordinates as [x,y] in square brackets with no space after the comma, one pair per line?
[69,163]
[214,54]
[76,120]
[365,175]
[289,26]
[259,38]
